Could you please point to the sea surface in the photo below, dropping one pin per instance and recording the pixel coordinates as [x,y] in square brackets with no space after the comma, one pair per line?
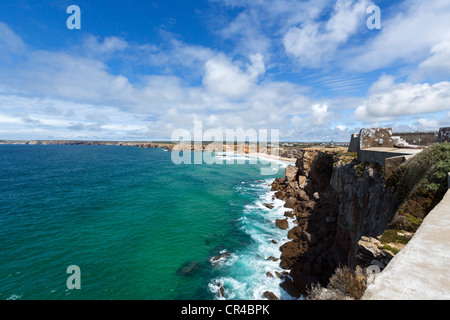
[137,225]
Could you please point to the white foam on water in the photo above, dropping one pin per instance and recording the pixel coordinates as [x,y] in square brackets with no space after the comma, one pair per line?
[247,274]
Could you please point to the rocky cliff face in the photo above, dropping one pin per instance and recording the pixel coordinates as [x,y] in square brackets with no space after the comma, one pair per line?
[335,203]
[366,207]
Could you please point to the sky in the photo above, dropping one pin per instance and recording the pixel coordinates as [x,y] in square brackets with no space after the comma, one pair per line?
[140,70]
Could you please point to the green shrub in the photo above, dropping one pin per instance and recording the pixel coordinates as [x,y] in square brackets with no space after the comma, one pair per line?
[421,182]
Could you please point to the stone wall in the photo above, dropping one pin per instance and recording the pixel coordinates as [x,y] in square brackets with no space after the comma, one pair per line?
[418,138]
[444,135]
[376,137]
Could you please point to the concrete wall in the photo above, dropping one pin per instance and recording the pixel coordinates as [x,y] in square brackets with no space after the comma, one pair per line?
[421,270]
[418,138]
[354,143]
[390,164]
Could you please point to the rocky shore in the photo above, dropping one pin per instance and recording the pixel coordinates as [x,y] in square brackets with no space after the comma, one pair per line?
[339,207]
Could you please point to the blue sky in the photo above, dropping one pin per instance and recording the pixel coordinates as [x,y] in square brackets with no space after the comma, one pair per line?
[138,70]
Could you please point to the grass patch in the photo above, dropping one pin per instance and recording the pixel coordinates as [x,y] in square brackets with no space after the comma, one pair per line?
[414,221]
[391,249]
[392,236]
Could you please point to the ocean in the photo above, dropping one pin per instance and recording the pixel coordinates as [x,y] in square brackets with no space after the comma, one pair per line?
[137,225]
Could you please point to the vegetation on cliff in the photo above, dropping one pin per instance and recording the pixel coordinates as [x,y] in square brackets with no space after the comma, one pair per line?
[421,182]
[356,215]
[420,185]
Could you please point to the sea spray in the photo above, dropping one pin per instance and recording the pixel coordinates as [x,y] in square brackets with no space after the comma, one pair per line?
[254,269]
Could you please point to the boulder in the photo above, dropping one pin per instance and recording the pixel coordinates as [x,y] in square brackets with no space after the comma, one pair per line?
[303,195]
[290,288]
[302,182]
[270,296]
[295,233]
[290,252]
[290,202]
[280,194]
[291,173]
[188,268]
[289,214]
[279,275]
[282,223]
[268,205]
[222,255]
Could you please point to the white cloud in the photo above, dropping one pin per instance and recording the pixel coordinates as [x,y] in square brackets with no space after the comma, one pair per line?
[316,42]
[406,37]
[404,99]
[429,124]
[109,45]
[223,78]
[437,65]
[10,41]
[319,115]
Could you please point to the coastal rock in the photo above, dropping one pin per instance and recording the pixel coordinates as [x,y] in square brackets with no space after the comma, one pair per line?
[272,258]
[280,194]
[302,195]
[335,203]
[221,290]
[290,252]
[188,268]
[291,173]
[302,182]
[282,223]
[222,255]
[289,214]
[309,238]
[290,203]
[269,275]
[270,296]
[295,233]
[290,288]
[268,205]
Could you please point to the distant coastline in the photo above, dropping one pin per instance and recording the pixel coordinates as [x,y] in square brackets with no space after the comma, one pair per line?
[286,151]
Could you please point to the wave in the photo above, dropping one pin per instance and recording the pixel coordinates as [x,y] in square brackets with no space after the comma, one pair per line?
[255,269]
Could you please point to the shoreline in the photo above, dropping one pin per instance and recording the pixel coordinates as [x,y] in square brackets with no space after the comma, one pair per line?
[264,156]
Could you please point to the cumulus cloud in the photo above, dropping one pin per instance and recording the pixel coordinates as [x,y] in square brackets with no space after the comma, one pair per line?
[224,78]
[406,37]
[437,65]
[319,115]
[315,42]
[109,45]
[388,101]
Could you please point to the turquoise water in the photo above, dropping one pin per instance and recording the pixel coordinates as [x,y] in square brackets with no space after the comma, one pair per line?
[130,219]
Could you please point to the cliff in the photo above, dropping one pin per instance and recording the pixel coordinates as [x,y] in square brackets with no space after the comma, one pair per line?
[347,215]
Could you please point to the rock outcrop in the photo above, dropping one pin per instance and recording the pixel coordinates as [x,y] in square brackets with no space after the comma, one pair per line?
[335,204]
